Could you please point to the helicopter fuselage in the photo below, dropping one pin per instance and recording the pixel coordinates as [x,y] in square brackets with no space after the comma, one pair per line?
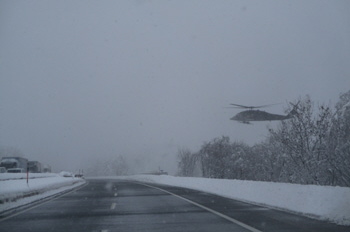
[257,115]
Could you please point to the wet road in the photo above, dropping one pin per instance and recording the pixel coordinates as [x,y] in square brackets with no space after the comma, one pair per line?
[114,205]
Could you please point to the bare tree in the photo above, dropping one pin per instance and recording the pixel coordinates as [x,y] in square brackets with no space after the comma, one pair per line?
[187,162]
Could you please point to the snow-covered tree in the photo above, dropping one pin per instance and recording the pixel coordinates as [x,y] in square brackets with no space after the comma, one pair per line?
[213,156]
[222,159]
[187,162]
[338,152]
[269,161]
[303,141]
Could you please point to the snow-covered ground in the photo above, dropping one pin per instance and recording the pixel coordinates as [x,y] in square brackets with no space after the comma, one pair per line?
[320,202]
[16,176]
[15,192]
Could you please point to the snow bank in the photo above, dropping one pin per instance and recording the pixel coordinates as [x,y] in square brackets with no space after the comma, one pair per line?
[15,191]
[13,176]
[321,202]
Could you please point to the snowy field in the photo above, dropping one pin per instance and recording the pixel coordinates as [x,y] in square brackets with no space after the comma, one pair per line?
[15,192]
[320,202]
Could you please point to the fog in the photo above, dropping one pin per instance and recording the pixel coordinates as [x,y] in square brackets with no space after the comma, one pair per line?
[82,81]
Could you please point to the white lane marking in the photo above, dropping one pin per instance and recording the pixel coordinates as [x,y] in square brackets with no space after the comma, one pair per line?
[104,230]
[113,206]
[115,194]
[252,229]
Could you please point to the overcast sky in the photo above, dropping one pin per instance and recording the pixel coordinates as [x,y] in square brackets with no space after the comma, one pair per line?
[87,79]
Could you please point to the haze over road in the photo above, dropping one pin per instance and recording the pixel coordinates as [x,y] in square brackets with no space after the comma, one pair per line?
[115,205]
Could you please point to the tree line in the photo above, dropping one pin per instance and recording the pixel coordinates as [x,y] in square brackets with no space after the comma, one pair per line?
[313,147]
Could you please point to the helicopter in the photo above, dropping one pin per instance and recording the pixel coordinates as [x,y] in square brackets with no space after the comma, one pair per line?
[257,115]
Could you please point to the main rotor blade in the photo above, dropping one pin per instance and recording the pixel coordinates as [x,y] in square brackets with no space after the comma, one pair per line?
[268,105]
[234,107]
[252,107]
[241,106]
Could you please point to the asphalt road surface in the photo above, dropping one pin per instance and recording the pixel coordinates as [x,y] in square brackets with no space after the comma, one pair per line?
[115,205]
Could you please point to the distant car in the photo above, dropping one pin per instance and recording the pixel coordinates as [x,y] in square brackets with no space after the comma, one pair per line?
[2,169]
[15,170]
